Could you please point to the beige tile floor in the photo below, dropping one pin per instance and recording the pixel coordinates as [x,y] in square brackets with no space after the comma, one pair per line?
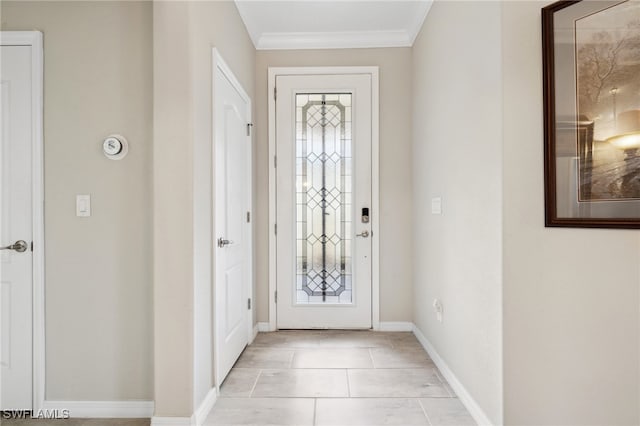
[336,378]
[75,422]
[322,378]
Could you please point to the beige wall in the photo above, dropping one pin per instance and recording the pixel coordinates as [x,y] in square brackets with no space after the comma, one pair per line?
[571,296]
[395,174]
[457,145]
[173,211]
[97,81]
[184,35]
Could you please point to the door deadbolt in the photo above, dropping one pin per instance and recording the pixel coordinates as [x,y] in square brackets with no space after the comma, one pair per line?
[365,215]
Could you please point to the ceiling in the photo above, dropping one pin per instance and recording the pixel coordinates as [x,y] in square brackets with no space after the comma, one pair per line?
[330,24]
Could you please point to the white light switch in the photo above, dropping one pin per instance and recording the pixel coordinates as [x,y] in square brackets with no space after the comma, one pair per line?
[437,306]
[83,205]
[436,205]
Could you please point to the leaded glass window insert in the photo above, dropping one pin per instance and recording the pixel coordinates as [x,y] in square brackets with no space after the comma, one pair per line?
[324,198]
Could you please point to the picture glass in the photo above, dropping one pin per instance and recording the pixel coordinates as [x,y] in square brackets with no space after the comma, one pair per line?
[597,110]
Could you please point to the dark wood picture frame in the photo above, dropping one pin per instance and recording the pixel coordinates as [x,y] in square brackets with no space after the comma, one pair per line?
[592,213]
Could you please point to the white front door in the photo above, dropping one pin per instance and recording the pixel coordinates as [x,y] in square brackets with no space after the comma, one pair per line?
[324,201]
[16,257]
[232,223]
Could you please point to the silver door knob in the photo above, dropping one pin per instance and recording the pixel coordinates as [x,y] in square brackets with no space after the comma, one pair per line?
[20,246]
[363,234]
[223,243]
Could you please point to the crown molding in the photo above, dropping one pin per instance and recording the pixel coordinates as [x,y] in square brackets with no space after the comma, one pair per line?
[334,40]
[416,26]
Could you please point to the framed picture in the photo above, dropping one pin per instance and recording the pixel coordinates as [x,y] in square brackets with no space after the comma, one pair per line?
[591,70]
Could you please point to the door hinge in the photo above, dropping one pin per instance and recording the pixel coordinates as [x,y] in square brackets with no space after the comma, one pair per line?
[275,93]
[249,126]
[275,228]
[275,295]
[31,245]
[249,304]
[248,217]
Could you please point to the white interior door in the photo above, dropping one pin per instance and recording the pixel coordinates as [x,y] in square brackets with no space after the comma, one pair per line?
[232,227]
[16,314]
[324,201]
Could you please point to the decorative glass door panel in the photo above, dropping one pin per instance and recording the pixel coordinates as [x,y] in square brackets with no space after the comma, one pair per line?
[323,198]
[323,189]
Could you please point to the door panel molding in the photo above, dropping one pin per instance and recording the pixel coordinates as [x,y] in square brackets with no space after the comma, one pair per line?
[34,40]
[273,73]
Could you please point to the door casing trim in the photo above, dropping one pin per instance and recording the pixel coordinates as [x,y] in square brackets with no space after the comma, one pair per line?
[34,40]
[274,72]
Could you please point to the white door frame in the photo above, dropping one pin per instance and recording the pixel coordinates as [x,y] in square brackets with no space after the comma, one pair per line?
[220,66]
[375,180]
[34,40]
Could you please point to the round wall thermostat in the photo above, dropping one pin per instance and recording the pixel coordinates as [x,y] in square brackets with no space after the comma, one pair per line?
[115,147]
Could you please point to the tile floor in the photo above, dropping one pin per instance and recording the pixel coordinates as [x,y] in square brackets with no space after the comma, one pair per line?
[324,378]
[336,378]
[75,422]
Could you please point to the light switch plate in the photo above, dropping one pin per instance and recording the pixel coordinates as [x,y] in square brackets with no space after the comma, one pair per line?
[83,205]
[436,205]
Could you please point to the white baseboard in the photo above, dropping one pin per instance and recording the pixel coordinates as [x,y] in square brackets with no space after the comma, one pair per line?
[197,419]
[205,408]
[256,329]
[465,397]
[263,327]
[395,326]
[172,421]
[103,409]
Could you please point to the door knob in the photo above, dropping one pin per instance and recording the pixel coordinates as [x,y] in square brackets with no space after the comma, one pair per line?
[363,234]
[20,246]
[222,242]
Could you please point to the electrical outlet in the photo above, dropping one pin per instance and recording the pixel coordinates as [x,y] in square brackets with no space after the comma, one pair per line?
[437,307]
[436,205]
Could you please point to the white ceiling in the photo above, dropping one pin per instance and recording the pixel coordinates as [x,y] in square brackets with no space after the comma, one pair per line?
[331,24]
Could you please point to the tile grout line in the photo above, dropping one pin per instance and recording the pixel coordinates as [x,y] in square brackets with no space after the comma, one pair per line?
[315,411]
[424,411]
[444,382]
[372,361]
[393,345]
[293,354]
[255,384]
[344,397]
